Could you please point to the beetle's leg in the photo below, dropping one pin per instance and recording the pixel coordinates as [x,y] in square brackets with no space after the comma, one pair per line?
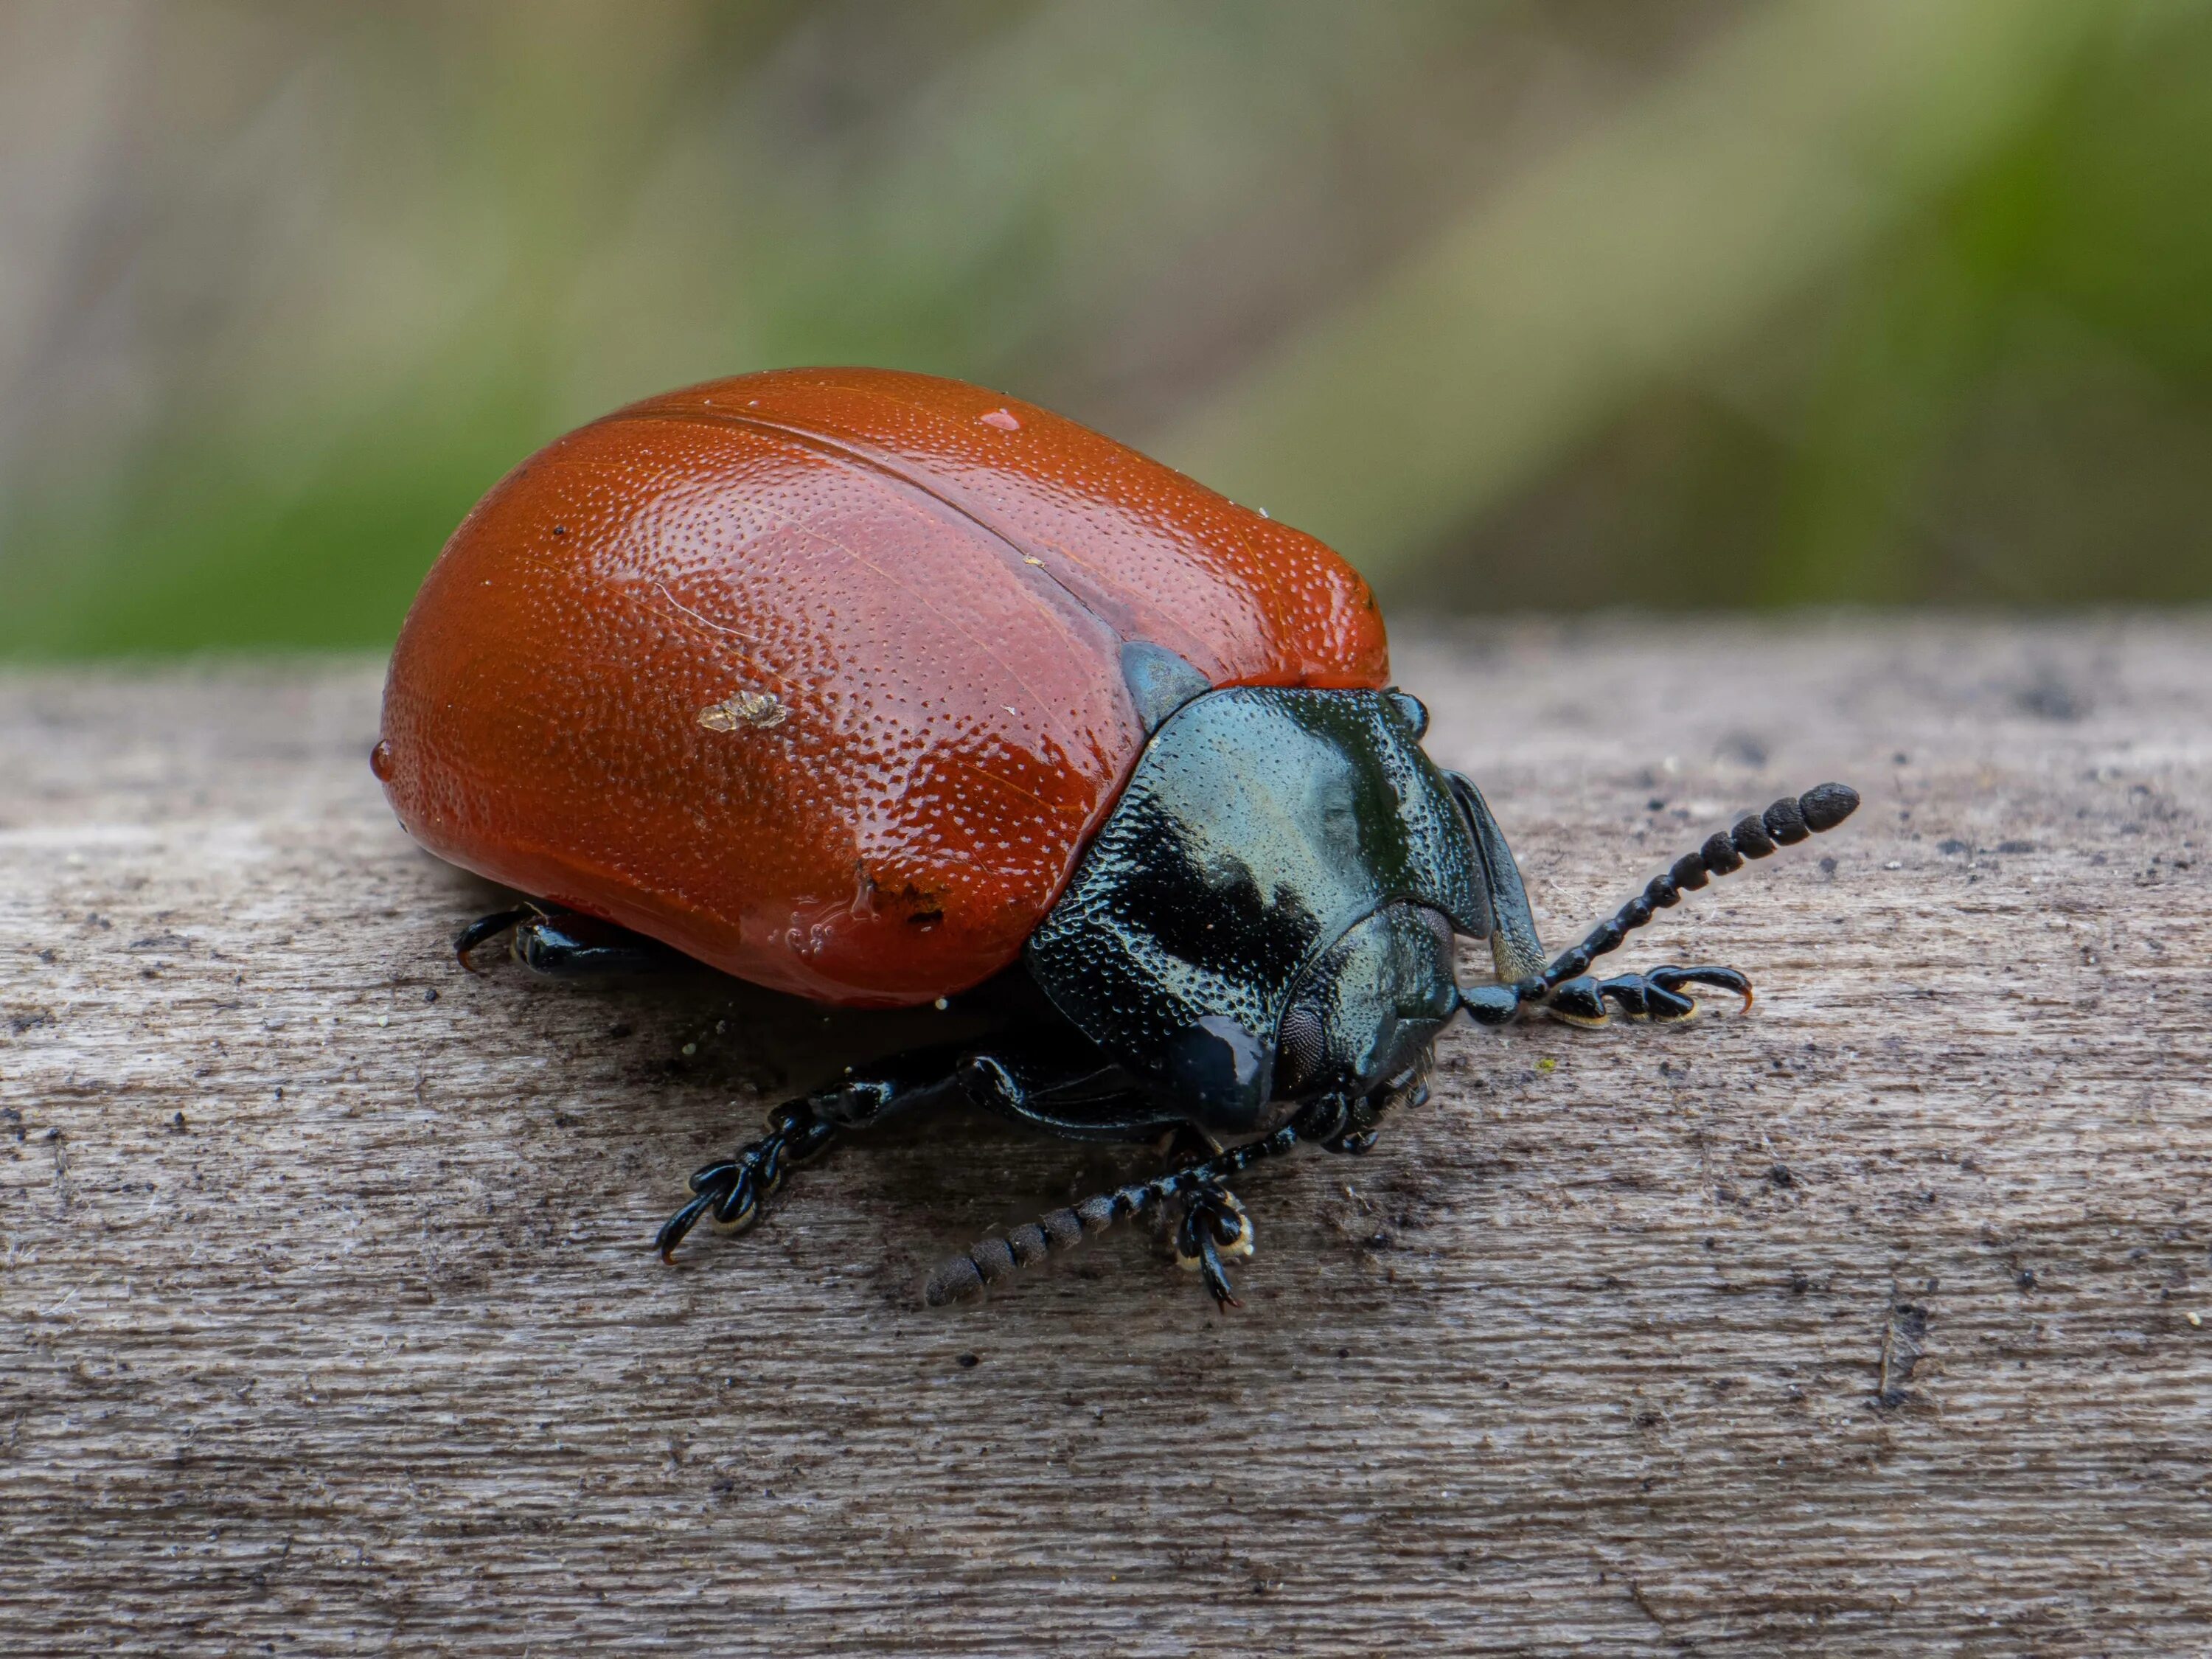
[1061,1084]
[733,1189]
[1516,950]
[1656,993]
[1214,1226]
[565,942]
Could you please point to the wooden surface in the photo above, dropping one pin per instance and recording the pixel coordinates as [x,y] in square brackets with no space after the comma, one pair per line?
[1866,1324]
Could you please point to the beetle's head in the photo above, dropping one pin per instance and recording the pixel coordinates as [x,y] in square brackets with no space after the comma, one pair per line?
[1266,918]
[1369,1009]
[1362,1017]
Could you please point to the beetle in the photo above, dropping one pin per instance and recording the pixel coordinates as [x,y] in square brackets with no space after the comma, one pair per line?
[873,687]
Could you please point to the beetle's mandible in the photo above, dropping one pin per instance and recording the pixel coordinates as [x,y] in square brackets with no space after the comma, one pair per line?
[872,687]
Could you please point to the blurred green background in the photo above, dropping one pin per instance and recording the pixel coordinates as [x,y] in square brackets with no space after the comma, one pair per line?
[1663,302]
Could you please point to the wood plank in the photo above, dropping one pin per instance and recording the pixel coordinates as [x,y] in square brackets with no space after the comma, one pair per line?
[1867,1323]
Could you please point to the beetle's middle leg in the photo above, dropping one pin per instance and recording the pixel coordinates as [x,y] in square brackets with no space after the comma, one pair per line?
[732,1190]
[1054,1081]
[1565,989]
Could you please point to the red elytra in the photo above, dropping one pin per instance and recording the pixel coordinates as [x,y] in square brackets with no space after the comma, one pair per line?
[814,675]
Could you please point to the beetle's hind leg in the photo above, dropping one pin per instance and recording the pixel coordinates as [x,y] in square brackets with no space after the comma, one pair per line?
[563,943]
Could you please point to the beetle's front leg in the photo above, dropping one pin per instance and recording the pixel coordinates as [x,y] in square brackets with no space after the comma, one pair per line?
[1214,1226]
[1656,993]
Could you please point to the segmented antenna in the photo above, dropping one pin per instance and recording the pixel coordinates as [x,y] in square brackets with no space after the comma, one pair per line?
[1786,822]
[995,1258]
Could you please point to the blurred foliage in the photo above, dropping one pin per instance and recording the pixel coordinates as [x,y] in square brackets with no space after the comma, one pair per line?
[1559,304]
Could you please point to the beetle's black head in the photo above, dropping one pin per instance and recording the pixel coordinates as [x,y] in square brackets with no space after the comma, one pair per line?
[1267,916]
[1368,1010]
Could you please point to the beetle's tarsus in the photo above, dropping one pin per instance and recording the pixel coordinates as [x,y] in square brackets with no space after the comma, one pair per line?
[732,1190]
[1655,995]
[564,944]
[1213,1225]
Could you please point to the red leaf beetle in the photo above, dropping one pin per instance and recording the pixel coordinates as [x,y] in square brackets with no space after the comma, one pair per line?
[871,687]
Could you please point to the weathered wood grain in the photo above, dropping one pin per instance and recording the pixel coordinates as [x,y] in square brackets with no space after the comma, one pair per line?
[1866,1324]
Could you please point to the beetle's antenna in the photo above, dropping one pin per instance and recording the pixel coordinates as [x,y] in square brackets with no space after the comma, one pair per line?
[1786,822]
[990,1259]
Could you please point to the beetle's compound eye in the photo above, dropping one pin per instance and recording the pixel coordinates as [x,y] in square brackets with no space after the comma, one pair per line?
[1300,1045]
[1412,708]
[1220,1071]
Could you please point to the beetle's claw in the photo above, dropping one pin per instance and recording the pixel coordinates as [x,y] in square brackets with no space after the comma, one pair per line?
[1669,978]
[673,1230]
[1217,1280]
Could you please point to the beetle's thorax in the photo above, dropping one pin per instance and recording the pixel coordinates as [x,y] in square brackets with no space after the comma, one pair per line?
[1275,848]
